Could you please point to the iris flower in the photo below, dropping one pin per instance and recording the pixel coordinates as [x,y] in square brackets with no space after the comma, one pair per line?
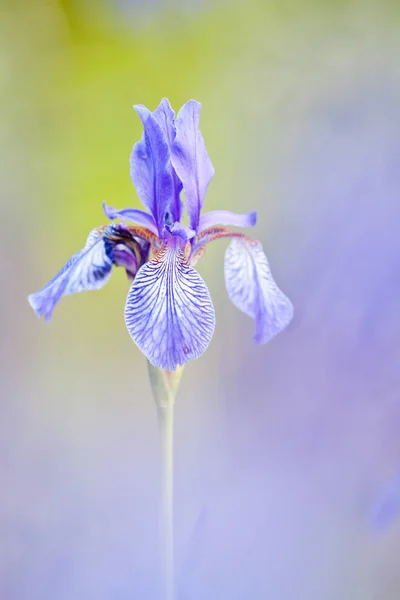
[169,312]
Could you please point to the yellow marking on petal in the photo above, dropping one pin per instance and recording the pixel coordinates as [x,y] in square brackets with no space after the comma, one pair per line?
[186,251]
[159,254]
[197,255]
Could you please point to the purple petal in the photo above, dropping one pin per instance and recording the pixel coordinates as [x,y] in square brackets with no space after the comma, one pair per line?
[182,232]
[164,115]
[253,290]
[88,269]
[169,311]
[165,118]
[151,169]
[190,160]
[227,218]
[131,214]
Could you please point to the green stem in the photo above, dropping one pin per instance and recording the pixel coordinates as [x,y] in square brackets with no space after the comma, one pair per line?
[166,421]
[164,385]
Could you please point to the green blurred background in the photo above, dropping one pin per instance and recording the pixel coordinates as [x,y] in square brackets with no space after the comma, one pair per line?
[281,450]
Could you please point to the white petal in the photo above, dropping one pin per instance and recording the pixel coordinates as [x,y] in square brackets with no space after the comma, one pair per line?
[253,290]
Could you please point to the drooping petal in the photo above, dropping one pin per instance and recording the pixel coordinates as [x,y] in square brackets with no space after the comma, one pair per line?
[88,269]
[169,311]
[151,169]
[190,159]
[253,290]
[131,214]
[164,114]
[227,218]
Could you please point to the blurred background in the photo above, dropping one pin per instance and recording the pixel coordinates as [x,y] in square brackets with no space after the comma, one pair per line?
[281,450]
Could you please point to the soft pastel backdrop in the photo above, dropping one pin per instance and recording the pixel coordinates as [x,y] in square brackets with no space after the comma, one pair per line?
[281,450]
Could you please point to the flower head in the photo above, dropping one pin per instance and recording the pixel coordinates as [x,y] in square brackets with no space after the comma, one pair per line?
[169,312]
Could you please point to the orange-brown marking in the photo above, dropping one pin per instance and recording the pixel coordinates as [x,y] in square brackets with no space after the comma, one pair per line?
[211,234]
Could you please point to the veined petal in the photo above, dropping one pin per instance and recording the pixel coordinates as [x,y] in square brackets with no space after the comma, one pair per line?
[190,159]
[253,290]
[164,114]
[131,214]
[227,218]
[88,269]
[169,311]
[151,169]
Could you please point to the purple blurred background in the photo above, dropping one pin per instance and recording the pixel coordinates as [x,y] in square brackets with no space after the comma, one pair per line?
[283,450]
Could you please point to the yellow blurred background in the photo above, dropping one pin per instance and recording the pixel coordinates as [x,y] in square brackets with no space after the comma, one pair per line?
[281,450]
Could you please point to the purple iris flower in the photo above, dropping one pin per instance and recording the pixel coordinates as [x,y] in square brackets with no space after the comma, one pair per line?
[169,312]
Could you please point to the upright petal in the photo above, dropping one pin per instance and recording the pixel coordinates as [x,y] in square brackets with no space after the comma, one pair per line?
[169,311]
[88,269]
[190,159]
[164,115]
[226,218]
[253,290]
[151,169]
[131,214]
